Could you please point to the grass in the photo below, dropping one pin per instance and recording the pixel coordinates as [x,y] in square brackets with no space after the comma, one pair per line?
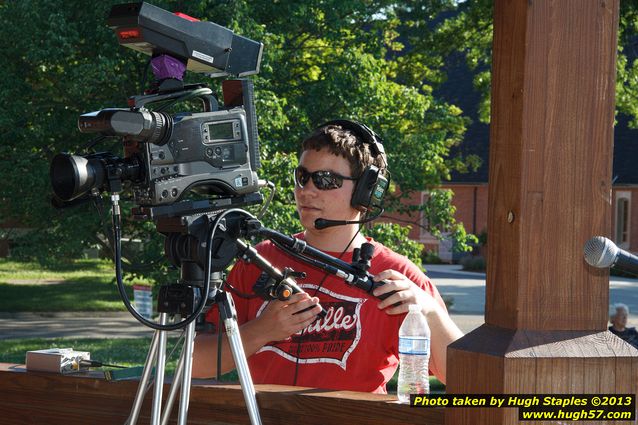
[127,352]
[65,270]
[86,285]
[436,386]
[119,351]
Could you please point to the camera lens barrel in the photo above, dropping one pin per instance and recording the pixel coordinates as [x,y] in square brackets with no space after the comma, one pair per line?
[140,125]
[72,176]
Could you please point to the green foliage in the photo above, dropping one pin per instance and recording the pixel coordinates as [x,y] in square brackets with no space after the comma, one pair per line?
[627,62]
[322,60]
[470,32]
[282,214]
[396,237]
[431,257]
[473,263]
[482,238]
[467,30]
[441,222]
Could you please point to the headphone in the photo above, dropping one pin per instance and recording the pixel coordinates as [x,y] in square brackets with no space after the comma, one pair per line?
[373,181]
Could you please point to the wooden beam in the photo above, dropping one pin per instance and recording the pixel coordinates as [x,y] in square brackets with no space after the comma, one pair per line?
[551,140]
[551,146]
[52,399]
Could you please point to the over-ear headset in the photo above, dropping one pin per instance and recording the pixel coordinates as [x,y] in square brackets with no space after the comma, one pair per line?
[373,181]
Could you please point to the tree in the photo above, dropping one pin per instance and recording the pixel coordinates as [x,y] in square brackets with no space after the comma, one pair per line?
[323,59]
[469,31]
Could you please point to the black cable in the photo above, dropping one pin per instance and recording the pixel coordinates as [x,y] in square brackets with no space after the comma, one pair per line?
[219,344]
[219,317]
[264,208]
[144,74]
[95,363]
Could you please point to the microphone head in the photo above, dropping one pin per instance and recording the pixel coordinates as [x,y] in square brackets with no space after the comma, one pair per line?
[600,252]
[322,223]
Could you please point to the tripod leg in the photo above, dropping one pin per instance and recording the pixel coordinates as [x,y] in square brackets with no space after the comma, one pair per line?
[177,382]
[182,379]
[229,317]
[142,387]
[156,408]
[187,353]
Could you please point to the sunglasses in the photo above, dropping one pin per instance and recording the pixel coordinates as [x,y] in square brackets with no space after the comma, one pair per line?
[323,180]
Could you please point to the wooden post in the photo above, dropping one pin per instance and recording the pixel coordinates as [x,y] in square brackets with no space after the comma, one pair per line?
[551,146]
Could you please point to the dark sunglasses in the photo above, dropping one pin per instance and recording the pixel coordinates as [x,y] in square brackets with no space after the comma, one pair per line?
[323,180]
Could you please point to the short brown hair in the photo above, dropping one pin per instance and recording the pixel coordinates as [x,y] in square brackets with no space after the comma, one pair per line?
[344,143]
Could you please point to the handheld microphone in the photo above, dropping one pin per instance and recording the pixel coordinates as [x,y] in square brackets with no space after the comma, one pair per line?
[324,223]
[602,253]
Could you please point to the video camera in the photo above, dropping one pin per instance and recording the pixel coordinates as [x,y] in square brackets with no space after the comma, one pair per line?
[214,152]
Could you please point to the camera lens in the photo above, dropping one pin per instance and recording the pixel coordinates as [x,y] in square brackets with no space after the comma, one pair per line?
[72,175]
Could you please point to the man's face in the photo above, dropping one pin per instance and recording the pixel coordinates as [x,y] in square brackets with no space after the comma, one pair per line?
[333,204]
[621,318]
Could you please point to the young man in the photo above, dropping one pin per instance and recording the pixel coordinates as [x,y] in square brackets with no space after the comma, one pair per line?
[355,347]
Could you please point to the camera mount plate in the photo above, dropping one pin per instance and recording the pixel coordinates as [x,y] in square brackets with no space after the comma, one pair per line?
[195,207]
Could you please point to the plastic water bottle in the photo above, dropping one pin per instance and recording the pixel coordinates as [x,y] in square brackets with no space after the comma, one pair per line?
[414,355]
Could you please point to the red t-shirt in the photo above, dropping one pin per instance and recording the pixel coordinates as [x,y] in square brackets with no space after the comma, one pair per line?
[355,347]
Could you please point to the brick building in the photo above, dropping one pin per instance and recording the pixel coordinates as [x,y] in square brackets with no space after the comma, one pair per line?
[471,189]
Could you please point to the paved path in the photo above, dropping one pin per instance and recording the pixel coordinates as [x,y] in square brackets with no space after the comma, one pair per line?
[71,325]
[467,290]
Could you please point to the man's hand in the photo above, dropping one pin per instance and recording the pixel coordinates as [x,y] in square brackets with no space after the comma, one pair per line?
[444,330]
[406,293]
[281,319]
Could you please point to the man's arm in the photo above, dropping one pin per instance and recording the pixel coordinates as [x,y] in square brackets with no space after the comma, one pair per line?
[443,330]
[278,321]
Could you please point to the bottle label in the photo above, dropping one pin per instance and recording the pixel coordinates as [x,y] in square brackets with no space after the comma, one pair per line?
[414,345]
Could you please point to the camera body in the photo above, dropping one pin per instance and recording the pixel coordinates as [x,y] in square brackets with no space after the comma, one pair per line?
[215,152]
[208,152]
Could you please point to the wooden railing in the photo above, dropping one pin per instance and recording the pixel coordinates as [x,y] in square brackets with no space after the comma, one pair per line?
[48,398]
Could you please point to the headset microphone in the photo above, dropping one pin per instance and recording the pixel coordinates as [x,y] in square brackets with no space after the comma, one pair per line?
[323,223]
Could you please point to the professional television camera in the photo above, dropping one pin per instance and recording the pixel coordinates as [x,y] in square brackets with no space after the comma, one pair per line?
[214,152]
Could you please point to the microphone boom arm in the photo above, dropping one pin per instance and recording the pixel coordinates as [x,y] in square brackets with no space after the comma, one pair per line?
[300,250]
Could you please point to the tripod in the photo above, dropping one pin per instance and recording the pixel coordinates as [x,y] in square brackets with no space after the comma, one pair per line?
[200,265]
[185,248]
[182,379]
